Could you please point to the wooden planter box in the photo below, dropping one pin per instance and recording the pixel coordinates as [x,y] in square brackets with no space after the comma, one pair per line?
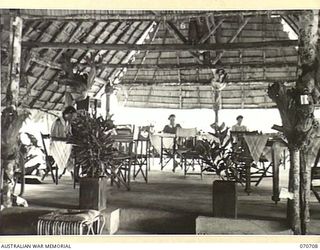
[93,193]
[224,199]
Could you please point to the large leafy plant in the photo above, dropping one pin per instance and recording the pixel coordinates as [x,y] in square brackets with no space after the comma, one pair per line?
[216,154]
[93,144]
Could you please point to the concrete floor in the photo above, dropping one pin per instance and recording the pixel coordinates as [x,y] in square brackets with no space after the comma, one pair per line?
[169,203]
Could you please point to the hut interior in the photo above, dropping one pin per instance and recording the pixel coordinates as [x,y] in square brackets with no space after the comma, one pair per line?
[227,169]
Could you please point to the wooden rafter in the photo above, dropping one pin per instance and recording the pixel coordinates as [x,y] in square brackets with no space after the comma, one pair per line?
[292,23]
[128,56]
[147,51]
[163,47]
[176,32]
[46,68]
[110,75]
[124,32]
[92,28]
[232,39]
[211,32]
[105,40]
[58,55]
[160,53]
[123,58]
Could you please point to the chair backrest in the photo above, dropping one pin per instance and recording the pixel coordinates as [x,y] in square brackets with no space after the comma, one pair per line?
[186,137]
[186,132]
[45,137]
[142,141]
[124,143]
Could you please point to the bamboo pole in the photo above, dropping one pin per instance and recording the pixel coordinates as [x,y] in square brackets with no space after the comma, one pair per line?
[162,47]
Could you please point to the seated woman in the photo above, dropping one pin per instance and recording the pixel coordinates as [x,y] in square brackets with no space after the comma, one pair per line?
[238,127]
[172,127]
[59,149]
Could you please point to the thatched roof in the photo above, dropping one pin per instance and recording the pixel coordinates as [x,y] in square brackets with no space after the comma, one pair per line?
[258,66]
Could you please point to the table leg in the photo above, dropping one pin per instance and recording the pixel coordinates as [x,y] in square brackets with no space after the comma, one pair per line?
[248,178]
[275,171]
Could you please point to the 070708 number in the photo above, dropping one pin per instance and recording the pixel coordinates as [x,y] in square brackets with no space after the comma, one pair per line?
[307,246]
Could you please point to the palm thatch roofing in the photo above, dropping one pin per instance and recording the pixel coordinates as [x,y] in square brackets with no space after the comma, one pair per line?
[151,77]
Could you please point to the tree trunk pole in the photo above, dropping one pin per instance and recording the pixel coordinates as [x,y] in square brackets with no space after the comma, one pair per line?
[308,69]
[12,98]
[293,206]
[15,61]
[305,180]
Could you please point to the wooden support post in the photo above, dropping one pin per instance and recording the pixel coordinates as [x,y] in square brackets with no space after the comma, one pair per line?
[11,120]
[107,105]
[296,108]
[293,206]
[15,59]
[308,83]
[275,170]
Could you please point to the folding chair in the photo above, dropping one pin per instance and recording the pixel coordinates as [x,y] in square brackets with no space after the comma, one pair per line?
[51,166]
[315,175]
[189,158]
[121,164]
[142,155]
[168,150]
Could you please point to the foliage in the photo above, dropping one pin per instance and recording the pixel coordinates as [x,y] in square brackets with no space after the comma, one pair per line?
[215,154]
[93,144]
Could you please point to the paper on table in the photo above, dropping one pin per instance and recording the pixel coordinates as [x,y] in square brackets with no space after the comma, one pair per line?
[285,194]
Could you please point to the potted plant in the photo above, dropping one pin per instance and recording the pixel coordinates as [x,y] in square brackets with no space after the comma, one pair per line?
[216,154]
[93,149]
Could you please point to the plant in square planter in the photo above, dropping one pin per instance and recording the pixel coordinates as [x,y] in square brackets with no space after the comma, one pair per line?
[93,148]
[215,154]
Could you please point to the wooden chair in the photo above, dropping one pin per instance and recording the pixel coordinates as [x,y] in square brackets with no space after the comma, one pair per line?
[185,142]
[122,162]
[167,153]
[51,166]
[315,175]
[142,155]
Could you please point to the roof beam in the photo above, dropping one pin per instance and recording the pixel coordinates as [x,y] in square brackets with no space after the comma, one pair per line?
[105,17]
[162,47]
[204,81]
[253,64]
